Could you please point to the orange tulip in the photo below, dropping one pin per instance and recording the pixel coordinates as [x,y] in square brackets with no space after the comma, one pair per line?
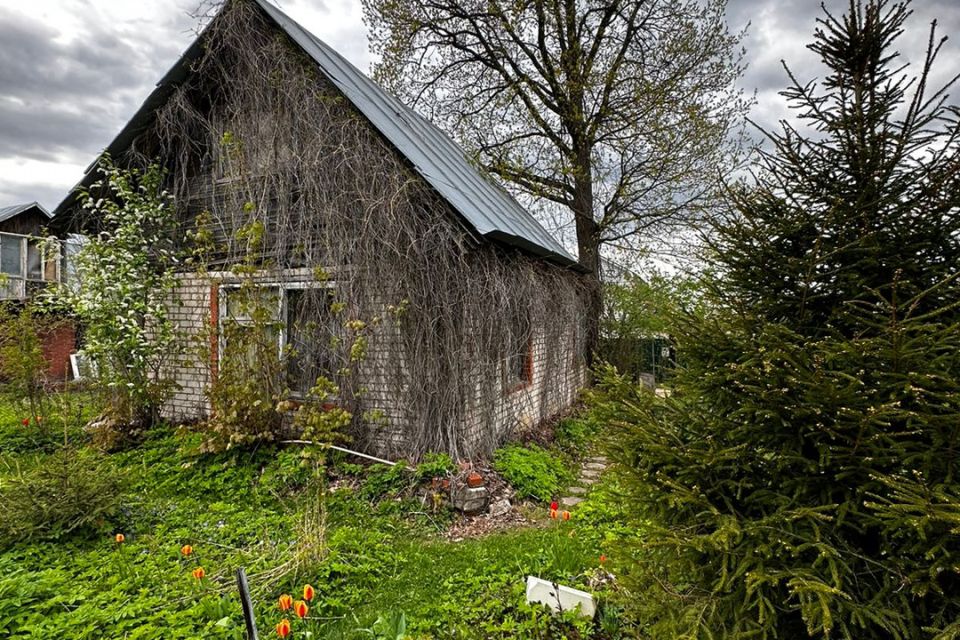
[119,538]
[283,628]
[308,593]
[285,602]
[603,558]
[186,550]
[553,513]
[566,515]
[199,573]
[301,609]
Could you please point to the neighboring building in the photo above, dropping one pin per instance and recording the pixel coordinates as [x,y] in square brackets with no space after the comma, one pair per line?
[363,220]
[25,269]
[24,219]
[23,266]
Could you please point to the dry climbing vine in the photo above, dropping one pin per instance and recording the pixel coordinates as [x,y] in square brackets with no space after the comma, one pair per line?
[257,136]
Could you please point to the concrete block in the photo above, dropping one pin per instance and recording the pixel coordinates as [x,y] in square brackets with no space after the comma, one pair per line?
[500,507]
[469,500]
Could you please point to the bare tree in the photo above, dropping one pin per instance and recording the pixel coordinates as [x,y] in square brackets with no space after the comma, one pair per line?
[621,112]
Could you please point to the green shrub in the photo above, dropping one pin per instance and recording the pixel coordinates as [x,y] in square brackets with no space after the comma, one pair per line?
[287,472]
[533,472]
[575,434]
[434,465]
[384,480]
[23,366]
[67,491]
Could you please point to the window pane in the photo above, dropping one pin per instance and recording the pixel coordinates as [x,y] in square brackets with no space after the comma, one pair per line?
[243,311]
[71,248]
[251,305]
[34,264]
[11,248]
[312,331]
[10,288]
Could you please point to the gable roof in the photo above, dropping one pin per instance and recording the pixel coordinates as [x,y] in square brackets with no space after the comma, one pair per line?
[485,206]
[9,212]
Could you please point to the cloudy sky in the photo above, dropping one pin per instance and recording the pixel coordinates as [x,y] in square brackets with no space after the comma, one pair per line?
[72,72]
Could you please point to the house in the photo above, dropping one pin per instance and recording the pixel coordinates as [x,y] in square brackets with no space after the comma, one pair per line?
[445,315]
[26,267]
[22,265]
[27,219]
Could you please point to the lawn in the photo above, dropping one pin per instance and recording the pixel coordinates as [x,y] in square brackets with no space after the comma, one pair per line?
[372,541]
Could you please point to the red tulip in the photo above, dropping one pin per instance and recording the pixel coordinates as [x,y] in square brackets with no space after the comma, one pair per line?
[285,602]
[301,609]
[554,506]
[603,558]
[25,422]
[308,593]
[283,628]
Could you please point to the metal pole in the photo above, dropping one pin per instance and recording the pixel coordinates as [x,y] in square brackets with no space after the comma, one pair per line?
[246,604]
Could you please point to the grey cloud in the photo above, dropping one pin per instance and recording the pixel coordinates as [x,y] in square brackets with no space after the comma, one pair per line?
[41,131]
[782,29]
[62,100]
[46,194]
[33,64]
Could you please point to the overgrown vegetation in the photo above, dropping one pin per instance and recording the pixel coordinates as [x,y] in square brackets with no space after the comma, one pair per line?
[802,479]
[326,193]
[372,551]
[637,328]
[126,277]
[532,471]
[22,363]
[50,496]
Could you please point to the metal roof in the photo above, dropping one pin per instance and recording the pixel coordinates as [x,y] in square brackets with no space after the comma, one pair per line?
[8,212]
[483,205]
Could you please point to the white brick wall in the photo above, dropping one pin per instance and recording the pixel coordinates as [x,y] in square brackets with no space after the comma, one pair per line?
[501,411]
[190,311]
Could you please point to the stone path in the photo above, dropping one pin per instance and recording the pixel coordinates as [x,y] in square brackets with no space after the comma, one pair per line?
[589,473]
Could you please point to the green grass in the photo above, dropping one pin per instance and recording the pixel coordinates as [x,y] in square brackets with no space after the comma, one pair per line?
[255,510]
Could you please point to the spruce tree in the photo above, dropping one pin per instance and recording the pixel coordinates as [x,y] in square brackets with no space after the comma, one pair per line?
[802,480]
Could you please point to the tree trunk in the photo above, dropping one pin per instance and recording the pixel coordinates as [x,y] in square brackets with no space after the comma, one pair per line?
[588,246]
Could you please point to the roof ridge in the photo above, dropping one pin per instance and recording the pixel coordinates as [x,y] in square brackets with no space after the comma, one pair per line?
[471,192]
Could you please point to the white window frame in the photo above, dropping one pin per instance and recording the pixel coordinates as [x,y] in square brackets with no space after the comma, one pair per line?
[282,287]
[21,279]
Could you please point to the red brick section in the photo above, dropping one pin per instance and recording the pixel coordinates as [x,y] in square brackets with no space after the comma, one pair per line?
[214,331]
[527,371]
[58,341]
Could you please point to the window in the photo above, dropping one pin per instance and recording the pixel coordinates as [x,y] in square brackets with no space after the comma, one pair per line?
[24,265]
[10,254]
[242,313]
[71,248]
[519,362]
[311,334]
[297,321]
